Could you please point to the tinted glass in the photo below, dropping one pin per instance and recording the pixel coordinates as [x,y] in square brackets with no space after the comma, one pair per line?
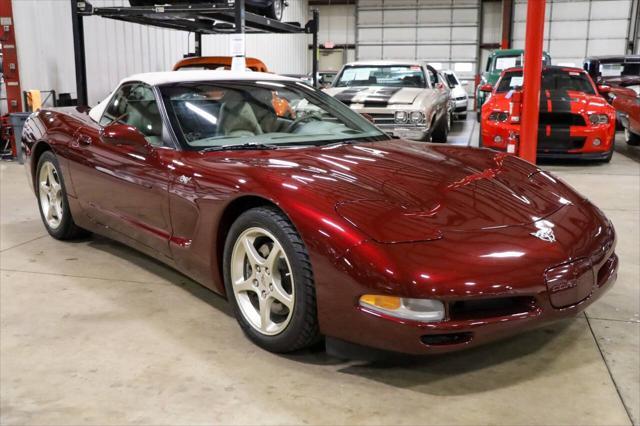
[551,80]
[135,105]
[209,114]
[395,76]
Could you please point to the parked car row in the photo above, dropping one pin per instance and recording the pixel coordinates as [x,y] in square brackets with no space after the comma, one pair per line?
[574,121]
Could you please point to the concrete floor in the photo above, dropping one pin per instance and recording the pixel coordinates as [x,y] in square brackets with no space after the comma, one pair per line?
[95,333]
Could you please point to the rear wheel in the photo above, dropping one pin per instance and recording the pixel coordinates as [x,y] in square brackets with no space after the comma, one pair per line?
[52,200]
[269,281]
[631,138]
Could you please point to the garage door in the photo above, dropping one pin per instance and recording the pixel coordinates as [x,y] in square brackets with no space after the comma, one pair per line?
[576,29]
[441,32]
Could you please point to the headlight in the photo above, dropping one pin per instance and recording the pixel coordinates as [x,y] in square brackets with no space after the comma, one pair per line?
[498,116]
[599,119]
[416,117]
[424,310]
[401,116]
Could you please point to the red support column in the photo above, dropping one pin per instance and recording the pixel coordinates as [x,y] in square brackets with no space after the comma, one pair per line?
[10,57]
[532,79]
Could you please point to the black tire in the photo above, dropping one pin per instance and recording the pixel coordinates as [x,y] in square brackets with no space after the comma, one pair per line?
[302,329]
[275,11]
[480,135]
[631,138]
[67,229]
[441,131]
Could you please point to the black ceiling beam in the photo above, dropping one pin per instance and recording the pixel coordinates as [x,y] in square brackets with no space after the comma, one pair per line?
[181,17]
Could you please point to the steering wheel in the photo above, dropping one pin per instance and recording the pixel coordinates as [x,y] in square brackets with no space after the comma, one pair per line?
[303,119]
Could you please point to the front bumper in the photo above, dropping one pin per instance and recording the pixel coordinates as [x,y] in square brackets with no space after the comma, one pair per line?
[463,277]
[586,135]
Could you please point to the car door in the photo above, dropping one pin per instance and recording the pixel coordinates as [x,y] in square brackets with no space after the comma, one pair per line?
[123,186]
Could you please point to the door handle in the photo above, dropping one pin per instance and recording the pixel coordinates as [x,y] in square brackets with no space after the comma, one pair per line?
[84,140]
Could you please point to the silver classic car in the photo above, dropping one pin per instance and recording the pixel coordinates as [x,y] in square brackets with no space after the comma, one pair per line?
[407,99]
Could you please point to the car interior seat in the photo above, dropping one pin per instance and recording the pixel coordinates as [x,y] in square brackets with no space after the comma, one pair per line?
[237,117]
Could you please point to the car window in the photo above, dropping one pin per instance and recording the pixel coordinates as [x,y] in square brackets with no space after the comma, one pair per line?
[135,105]
[210,114]
[383,75]
[451,79]
[433,78]
[552,79]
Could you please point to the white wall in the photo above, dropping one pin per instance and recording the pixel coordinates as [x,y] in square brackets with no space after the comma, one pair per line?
[337,24]
[116,49]
[578,28]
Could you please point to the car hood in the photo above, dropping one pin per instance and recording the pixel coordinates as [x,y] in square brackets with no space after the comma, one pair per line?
[375,95]
[410,191]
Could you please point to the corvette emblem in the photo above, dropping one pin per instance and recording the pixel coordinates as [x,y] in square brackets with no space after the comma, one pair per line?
[184,179]
[545,234]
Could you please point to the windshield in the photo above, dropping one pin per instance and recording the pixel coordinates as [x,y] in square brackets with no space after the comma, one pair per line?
[210,114]
[394,76]
[551,80]
[501,63]
[614,70]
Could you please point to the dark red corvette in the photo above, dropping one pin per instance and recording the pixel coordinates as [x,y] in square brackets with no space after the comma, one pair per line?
[315,223]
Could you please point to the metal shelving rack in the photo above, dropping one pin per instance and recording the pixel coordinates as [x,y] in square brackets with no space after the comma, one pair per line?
[207,17]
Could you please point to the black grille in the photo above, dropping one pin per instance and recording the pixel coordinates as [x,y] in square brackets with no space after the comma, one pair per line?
[382,118]
[491,308]
[559,144]
[561,118]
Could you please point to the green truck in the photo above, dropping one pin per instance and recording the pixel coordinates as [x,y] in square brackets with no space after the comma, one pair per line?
[500,60]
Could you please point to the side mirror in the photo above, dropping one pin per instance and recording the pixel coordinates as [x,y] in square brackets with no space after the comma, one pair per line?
[123,134]
[486,88]
[604,89]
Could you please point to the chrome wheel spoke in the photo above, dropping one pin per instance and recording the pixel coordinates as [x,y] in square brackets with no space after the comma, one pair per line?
[265,313]
[262,282]
[274,256]
[279,294]
[243,285]
[50,195]
[252,254]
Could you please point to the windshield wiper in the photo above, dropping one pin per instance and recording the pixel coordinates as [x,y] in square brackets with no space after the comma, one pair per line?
[240,147]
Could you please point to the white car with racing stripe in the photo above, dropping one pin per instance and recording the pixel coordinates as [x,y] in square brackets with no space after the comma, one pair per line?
[407,99]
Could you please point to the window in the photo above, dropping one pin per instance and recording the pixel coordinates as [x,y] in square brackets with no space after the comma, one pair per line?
[213,114]
[135,105]
[552,80]
[384,75]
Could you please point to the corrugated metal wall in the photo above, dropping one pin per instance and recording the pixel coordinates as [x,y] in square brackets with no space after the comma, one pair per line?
[576,29]
[282,53]
[117,49]
[438,31]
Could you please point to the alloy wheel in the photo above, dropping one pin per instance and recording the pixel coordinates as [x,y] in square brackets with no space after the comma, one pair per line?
[262,281]
[50,194]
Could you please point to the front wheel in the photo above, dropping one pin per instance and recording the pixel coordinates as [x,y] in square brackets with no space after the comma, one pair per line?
[631,138]
[52,199]
[441,131]
[269,281]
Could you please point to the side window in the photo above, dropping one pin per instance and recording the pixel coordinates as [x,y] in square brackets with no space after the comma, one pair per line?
[433,78]
[135,105]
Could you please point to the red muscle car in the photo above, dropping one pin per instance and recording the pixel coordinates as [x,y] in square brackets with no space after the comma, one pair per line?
[312,221]
[574,121]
